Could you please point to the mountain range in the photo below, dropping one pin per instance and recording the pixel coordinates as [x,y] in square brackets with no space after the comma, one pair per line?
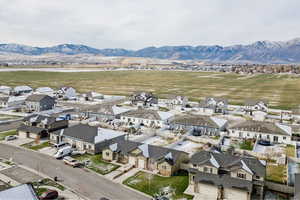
[259,52]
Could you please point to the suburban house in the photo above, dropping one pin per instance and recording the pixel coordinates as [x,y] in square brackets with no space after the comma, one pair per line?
[201,125]
[273,132]
[214,175]
[12,101]
[146,117]
[91,96]
[161,160]
[172,101]
[86,138]
[213,105]
[39,126]
[5,89]
[20,90]
[105,111]
[67,93]
[39,102]
[255,105]
[143,99]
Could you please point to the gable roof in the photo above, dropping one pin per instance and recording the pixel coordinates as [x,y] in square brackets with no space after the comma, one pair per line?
[107,109]
[22,88]
[229,162]
[198,120]
[206,103]
[264,127]
[44,90]
[253,102]
[148,114]
[24,192]
[47,120]
[39,97]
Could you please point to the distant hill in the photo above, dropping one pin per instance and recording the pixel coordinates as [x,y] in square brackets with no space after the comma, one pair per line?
[258,52]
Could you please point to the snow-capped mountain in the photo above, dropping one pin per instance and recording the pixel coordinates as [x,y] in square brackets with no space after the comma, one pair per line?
[258,52]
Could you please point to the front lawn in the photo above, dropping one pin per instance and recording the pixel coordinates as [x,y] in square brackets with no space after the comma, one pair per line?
[49,182]
[97,164]
[36,147]
[7,133]
[247,145]
[276,173]
[155,185]
[290,150]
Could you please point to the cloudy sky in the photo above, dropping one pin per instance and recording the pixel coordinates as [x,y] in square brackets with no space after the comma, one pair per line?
[136,24]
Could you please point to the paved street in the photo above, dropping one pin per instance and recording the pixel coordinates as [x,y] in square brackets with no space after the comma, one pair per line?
[9,126]
[86,183]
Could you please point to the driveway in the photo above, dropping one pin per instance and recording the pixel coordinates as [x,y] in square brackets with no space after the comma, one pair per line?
[86,183]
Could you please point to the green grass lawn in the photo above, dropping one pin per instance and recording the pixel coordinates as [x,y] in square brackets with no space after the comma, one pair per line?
[154,184]
[247,145]
[36,147]
[7,133]
[97,164]
[49,182]
[276,173]
[282,91]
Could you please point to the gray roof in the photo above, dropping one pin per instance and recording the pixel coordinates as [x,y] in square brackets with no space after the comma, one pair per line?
[146,97]
[24,192]
[82,132]
[206,102]
[224,181]
[4,99]
[194,120]
[260,127]
[39,97]
[228,162]
[40,118]
[31,129]
[143,113]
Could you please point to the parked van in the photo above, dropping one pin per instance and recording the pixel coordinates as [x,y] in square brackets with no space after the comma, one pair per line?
[62,144]
[65,151]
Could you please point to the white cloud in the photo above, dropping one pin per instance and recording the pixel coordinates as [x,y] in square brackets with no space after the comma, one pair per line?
[139,23]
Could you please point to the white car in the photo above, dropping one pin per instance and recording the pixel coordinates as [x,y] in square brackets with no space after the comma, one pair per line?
[10,137]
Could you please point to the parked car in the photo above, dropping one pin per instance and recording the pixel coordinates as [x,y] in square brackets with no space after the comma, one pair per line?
[62,144]
[65,151]
[71,161]
[264,143]
[10,137]
[49,194]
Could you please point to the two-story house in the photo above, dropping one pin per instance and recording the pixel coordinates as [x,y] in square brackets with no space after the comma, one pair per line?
[39,126]
[252,105]
[201,125]
[273,132]
[105,111]
[223,176]
[164,161]
[146,117]
[39,102]
[174,101]
[213,105]
[21,90]
[143,99]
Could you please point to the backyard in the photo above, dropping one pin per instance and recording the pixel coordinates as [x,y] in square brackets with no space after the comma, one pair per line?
[153,185]
[195,85]
[276,173]
[96,163]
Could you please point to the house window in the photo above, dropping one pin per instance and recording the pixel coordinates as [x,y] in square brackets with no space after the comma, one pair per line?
[284,138]
[205,169]
[241,175]
[164,167]
[107,153]
[194,165]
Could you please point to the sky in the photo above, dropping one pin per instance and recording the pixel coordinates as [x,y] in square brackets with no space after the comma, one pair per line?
[135,24]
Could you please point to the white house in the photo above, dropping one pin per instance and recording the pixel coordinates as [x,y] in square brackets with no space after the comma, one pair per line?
[174,101]
[273,132]
[213,105]
[146,117]
[24,89]
[5,89]
[11,101]
[255,105]
[45,90]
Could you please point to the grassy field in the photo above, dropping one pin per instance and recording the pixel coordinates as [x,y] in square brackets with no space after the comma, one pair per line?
[36,147]
[276,173]
[282,91]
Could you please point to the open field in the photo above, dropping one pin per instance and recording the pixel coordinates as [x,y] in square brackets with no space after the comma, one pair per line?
[282,91]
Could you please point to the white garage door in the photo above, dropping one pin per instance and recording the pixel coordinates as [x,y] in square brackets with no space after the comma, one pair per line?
[141,163]
[132,160]
[22,134]
[235,194]
[207,192]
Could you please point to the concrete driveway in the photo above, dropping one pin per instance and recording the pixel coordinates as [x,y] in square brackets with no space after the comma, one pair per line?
[88,184]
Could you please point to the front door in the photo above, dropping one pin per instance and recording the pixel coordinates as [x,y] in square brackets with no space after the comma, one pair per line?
[275,138]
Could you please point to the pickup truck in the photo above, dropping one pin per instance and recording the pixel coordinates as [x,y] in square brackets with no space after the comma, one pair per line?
[71,161]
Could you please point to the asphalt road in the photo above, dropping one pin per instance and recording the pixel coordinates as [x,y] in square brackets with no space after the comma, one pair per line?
[9,126]
[85,183]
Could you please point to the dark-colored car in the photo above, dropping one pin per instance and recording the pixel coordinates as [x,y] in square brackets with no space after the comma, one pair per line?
[264,143]
[49,194]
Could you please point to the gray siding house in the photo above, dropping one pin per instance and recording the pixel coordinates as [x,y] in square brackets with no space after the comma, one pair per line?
[39,102]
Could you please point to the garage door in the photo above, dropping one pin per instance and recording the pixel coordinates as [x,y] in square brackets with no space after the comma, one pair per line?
[132,160]
[141,163]
[235,194]
[207,191]
[22,134]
